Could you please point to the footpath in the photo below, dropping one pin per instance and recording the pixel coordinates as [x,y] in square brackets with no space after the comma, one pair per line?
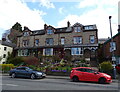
[59,77]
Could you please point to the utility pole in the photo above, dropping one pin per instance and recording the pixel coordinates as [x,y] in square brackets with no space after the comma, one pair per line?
[112,50]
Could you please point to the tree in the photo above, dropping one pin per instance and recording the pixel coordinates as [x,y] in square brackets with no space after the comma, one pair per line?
[17,26]
[14,32]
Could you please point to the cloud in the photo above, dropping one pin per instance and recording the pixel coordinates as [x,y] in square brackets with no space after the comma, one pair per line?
[86,3]
[61,10]
[99,16]
[89,3]
[47,4]
[12,11]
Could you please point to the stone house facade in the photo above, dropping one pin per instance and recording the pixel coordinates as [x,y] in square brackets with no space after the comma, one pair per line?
[78,41]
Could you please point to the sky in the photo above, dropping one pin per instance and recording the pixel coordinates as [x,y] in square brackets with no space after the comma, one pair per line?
[35,13]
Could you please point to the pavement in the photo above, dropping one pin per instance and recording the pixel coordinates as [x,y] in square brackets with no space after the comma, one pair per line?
[56,77]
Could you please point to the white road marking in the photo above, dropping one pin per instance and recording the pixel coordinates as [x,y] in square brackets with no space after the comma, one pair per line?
[9,85]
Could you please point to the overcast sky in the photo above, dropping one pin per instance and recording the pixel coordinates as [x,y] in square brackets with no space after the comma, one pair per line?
[35,13]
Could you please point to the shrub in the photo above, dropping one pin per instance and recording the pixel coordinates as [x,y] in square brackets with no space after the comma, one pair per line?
[106,66]
[6,67]
[31,61]
[16,61]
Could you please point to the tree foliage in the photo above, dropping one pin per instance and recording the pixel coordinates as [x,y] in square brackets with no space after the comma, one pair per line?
[106,66]
[17,26]
[14,32]
[31,60]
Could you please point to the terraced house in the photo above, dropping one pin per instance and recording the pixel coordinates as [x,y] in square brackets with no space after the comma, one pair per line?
[77,41]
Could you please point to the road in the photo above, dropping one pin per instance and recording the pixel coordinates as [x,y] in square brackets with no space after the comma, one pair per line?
[49,83]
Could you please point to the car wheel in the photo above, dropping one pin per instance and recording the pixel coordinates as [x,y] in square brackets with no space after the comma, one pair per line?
[13,75]
[75,79]
[102,80]
[32,76]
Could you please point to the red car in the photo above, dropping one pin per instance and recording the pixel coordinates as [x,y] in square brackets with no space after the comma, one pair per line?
[118,68]
[89,74]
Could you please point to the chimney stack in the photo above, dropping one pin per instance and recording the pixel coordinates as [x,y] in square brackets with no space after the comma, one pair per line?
[68,24]
[45,26]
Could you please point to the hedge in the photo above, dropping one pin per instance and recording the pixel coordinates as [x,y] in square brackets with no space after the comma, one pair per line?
[6,67]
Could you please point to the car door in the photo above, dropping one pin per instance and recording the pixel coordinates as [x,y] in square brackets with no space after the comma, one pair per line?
[90,75]
[18,72]
[25,72]
[80,73]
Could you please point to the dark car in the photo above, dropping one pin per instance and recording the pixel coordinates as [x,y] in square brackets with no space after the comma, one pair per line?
[118,68]
[89,74]
[26,72]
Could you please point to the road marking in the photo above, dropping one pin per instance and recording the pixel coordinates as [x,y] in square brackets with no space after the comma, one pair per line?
[10,85]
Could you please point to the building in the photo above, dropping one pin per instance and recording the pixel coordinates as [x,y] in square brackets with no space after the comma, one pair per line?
[77,41]
[102,40]
[4,50]
[109,51]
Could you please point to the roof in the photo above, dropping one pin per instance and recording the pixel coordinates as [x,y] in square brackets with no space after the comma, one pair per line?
[8,44]
[112,38]
[62,30]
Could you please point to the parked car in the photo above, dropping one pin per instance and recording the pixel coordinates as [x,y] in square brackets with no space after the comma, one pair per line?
[89,74]
[26,72]
[118,68]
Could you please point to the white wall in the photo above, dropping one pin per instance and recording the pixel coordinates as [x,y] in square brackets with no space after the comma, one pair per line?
[4,52]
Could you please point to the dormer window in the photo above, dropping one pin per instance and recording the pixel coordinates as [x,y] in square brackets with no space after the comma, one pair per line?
[49,31]
[77,29]
[26,33]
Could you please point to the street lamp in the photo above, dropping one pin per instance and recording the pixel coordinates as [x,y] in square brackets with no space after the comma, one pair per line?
[112,50]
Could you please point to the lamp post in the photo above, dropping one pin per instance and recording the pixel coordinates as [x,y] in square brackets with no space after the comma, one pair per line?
[112,50]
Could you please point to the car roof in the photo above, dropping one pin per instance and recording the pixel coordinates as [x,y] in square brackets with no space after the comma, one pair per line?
[82,67]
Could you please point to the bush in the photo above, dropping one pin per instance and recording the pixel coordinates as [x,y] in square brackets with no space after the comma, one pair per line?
[106,66]
[16,61]
[6,67]
[31,61]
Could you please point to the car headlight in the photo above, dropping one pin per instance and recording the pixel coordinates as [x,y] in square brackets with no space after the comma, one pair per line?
[107,75]
[39,73]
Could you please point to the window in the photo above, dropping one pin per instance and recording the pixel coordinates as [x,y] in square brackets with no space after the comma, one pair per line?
[49,41]
[49,51]
[76,51]
[26,33]
[21,68]
[23,52]
[92,39]
[49,31]
[37,42]
[25,43]
[5,48]
[77,40]
[112,46]
[81,69]
[4,55]
[89,27]
[62,41]
[77,29]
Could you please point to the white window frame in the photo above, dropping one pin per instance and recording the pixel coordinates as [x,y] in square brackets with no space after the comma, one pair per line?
[77,29]
[77,40]
[76,51]
[26,33]
[50,31]
[49,41]
[25,43]
[46,52]
[36,43]
[112,46]
[92,39]
[63,41]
